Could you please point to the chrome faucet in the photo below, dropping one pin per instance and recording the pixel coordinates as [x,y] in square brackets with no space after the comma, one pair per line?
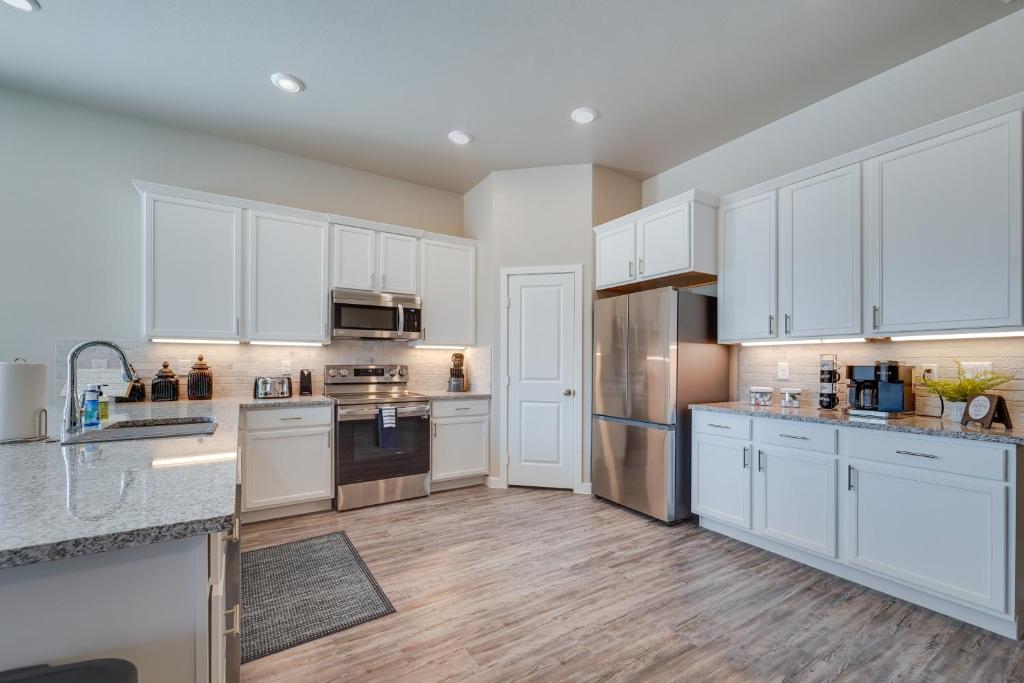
[72,423]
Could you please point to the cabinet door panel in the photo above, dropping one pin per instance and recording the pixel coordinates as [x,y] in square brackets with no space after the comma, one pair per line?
[942,533]
[943,220]
[616,255]
[354,250]
[665,242]
[288,260]
[795,499]
[287,466]
[193,269]
[459,448]
[448,290]
[721,480]
[746,281]
[819,255]
[399,263]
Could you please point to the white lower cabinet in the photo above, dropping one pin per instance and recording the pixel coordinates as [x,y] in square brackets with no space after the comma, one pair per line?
[795,498]
[927,519]
[940,532]
[287,465]
[460,440]
[721,479]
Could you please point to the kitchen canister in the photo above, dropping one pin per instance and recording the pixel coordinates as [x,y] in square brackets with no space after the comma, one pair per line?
[165,385]
[761,396]
[790,397]
[200,381]
[22,401]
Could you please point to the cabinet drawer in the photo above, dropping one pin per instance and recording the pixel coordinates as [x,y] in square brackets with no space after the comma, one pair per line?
[722,424]
[459,408]
[792,434]
[276,418]
[956,456]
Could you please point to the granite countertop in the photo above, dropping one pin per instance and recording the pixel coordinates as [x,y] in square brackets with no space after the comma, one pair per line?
[917,424]
[454,395]
[62,501]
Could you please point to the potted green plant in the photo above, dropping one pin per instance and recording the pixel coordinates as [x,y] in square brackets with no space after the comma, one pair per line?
[955,393]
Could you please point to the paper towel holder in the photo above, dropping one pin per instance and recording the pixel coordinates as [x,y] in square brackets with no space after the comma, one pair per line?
[44,427]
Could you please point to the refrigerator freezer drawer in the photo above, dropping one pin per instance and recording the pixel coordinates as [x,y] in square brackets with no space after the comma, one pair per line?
[635,465]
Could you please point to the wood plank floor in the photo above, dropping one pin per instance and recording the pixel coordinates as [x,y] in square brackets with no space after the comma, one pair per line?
[537,585]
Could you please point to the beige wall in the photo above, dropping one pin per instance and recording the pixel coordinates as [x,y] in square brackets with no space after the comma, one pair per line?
[71,225]
[978,68]
[757,365]
[535,217]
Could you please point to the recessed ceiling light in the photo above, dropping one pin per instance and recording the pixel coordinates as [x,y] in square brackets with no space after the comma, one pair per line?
[460,137]
[286,82]
[23,5]
[583,115]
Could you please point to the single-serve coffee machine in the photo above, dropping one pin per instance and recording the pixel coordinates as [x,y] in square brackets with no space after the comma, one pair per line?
[882,390]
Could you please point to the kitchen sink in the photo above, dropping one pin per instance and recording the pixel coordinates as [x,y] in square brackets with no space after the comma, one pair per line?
[156,428]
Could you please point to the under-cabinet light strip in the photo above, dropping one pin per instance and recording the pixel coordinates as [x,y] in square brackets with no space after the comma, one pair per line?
[965,335]
[195,341]
[796,342]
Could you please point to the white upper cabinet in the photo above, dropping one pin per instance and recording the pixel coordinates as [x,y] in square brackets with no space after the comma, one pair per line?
[448,290]
[943,231]
[399,263]
[193,271]
[820,255]
[354,258]
[747,278]
[288,261]
[616,254]
[673,237]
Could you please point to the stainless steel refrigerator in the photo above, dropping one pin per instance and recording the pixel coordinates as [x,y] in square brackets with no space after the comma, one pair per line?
[654,354]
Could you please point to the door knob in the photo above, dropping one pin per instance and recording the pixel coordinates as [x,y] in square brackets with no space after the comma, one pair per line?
[568,392]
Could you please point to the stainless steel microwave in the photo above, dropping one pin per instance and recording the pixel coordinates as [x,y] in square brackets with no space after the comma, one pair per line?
[372,315]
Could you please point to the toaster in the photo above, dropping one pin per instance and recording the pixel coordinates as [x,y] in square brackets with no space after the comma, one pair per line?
[272,387]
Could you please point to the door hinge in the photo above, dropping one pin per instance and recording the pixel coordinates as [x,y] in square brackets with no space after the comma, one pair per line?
[508,303]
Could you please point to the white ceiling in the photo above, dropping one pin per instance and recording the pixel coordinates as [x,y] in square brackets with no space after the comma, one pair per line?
[387,79]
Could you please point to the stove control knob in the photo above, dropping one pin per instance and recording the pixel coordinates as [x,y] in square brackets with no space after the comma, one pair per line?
[402,372]
[392,372]
[343,372]
[332,373]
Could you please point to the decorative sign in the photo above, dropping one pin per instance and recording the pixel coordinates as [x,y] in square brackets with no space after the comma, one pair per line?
[986,409]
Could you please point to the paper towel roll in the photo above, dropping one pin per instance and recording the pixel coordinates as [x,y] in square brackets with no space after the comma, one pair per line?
[22,400]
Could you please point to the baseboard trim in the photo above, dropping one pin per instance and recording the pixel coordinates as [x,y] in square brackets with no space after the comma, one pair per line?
[461,483]
[286,511]
[582,488]
[495,483]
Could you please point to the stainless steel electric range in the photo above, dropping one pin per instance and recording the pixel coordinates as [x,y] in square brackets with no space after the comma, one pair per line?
[365,472]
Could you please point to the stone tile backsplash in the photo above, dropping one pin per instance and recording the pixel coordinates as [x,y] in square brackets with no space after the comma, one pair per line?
[235,366]
[757,365]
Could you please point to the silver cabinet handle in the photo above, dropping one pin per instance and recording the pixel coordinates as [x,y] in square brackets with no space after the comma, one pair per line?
[793,436]
[462,409]
[788,318]
[236,530]
[236,619]
[641,266]
[746,456]
[382,280]
[760,461]
[919,455]
[631,268]
[771,325]
[849,477]
[435,430]
[717,426]
[874,317]
[285,419]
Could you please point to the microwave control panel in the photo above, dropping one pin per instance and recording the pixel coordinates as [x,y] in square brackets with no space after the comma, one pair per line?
[412,320]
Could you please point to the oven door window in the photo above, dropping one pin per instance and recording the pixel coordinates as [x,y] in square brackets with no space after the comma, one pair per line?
[370,318]
[359,458]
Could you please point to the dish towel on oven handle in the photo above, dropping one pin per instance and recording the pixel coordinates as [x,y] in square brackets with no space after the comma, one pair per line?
[387,427]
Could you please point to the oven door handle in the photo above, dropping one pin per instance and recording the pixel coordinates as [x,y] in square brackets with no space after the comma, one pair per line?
[353,414]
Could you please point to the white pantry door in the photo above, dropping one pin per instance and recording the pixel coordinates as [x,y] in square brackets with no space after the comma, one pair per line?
[543,420]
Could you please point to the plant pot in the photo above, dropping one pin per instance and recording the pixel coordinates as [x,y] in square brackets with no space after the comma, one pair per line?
[953,411]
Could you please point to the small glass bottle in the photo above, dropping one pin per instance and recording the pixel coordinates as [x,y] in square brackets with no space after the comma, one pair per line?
[91,406]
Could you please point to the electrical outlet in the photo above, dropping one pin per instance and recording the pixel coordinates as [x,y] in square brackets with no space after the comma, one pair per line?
[974,369]
[930,371]
[286,367]
[782,370]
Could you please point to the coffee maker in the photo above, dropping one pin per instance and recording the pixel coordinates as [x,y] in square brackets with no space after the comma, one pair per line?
[882,390]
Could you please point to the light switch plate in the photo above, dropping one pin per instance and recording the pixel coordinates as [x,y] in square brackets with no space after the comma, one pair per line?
[972,369]
[286,367]
[782,370]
